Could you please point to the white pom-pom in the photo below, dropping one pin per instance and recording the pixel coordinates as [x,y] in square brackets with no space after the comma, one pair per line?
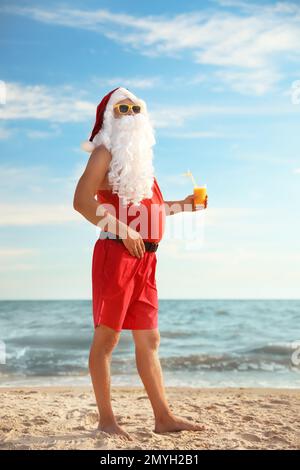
[88,146]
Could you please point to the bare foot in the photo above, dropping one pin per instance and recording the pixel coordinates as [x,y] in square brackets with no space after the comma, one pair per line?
[113,429]
[174,424]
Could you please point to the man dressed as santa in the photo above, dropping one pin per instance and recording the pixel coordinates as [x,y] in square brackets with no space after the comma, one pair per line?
[119,193]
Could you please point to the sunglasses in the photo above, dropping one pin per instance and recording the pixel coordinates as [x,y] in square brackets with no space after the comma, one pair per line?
[124,108]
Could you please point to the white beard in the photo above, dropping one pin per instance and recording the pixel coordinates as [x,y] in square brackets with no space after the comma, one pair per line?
[131,172]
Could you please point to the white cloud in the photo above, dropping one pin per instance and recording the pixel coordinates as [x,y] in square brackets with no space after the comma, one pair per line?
[256,82]
[23,180]
[238,270]
[37,214]
[193,229]
[134,82]
[177,115]
[19,208]
[15,252]
[57,104]
[247,36]
[54,131]
[265,8]
[33,195]
[61,104]
[20,186]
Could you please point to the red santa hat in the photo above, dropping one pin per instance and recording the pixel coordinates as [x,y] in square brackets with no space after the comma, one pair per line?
[104,114]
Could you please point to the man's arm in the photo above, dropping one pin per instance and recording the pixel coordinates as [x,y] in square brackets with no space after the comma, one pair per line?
[183,205]
[84,200]
[173,207]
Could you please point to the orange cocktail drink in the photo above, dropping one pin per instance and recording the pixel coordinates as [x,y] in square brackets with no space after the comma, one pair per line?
[199,196]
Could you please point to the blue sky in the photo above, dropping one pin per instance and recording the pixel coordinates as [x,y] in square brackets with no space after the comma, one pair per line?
[220,80]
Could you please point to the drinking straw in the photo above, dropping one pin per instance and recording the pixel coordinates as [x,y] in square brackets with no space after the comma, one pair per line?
[190,175]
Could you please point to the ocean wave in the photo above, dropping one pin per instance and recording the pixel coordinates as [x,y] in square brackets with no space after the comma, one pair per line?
[228,362]
[38,358]
[276,349]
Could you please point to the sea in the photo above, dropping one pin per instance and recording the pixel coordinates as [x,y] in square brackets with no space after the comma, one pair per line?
[204,343]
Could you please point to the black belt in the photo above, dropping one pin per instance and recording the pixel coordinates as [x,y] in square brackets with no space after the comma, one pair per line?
[149,246]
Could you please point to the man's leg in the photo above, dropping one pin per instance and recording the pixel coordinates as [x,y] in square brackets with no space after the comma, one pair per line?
[149,369]
[104,341]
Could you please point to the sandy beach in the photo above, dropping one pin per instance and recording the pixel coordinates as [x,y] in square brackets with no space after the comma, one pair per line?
[66,418]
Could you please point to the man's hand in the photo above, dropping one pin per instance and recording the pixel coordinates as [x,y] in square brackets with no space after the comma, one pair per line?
[134,243]
[190,206]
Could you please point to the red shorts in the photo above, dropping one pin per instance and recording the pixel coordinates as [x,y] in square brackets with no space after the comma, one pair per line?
[124,292]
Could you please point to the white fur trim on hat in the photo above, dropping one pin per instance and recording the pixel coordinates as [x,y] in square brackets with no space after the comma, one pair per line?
[88,146]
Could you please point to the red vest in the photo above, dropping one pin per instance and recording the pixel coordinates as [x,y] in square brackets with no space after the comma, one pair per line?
[149,220]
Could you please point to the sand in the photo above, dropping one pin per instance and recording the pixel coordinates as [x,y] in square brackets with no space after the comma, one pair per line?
[66,418]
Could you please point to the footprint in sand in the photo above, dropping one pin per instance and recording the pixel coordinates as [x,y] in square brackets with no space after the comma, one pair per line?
[40,421]
[91,418]
[266,406]
[274,438]
[144,434]
[210,407]
[280,402]
[73,414]
[248,418]
[250,437]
